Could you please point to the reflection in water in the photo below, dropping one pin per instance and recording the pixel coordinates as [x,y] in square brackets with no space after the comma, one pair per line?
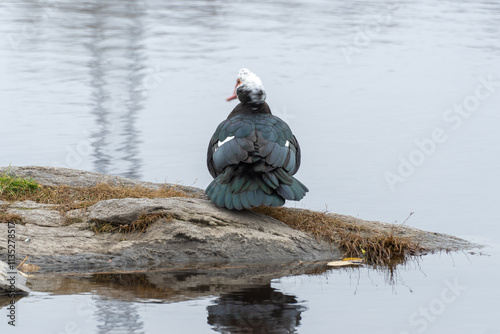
[118,71]
[116,316]
[5,300]
[242,307]
[255,310]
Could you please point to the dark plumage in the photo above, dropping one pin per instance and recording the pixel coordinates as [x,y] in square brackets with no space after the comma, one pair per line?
[253,154]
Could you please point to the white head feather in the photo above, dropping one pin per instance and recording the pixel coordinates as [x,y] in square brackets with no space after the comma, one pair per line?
[251,82]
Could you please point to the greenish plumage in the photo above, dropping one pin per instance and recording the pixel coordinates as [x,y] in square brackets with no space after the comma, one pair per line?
[253,156]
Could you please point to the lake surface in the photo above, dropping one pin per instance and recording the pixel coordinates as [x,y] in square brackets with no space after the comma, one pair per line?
[395,105]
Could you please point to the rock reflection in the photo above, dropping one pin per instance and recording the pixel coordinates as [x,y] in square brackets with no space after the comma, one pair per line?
[243,299]
[5,300]
[255,310]
[171,285]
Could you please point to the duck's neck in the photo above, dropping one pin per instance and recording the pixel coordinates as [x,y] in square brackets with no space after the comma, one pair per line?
[250,108]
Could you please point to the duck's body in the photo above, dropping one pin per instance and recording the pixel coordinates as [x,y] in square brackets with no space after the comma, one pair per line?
[253,154]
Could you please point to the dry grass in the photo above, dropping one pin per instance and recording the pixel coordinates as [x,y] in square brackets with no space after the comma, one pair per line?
[139,226]
[9,217]
[375,245]
[69,198]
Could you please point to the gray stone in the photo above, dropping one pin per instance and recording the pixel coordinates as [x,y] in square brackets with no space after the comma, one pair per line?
[11,281]
[40,217]
[29,205]
[192,232]
[197,233]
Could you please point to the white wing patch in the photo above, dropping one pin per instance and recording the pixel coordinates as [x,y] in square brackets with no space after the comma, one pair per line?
[220,143]
[287,144]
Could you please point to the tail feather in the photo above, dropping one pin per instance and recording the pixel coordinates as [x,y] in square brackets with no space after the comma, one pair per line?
[247,185]
[221,195]
[252,198]
[263,186]
[237,184]
[245,203]
[243,189]
[283,176]
[286,192]
[273,201]
[271,180]
[228,199]
[237,202]
[295,192]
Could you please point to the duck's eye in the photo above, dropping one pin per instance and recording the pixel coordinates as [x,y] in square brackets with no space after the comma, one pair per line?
[238,82]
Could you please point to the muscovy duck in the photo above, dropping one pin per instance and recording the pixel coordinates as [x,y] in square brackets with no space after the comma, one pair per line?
[253,154]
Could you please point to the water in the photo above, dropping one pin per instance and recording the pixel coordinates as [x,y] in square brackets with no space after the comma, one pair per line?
[136,88]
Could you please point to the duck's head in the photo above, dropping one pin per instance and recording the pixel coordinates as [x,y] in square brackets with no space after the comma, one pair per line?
[248,89]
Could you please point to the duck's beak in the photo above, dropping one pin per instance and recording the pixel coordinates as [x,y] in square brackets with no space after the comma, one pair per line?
[234,96]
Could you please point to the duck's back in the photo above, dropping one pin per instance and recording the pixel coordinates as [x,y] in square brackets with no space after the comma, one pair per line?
[252,156]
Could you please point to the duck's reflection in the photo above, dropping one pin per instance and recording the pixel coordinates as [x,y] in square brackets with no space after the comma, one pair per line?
[246,302]
[255,310]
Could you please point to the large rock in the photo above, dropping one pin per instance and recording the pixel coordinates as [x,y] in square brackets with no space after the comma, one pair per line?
[187,232]
[193,232]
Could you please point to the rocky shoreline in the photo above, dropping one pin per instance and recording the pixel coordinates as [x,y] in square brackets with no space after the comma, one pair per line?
[189,231]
